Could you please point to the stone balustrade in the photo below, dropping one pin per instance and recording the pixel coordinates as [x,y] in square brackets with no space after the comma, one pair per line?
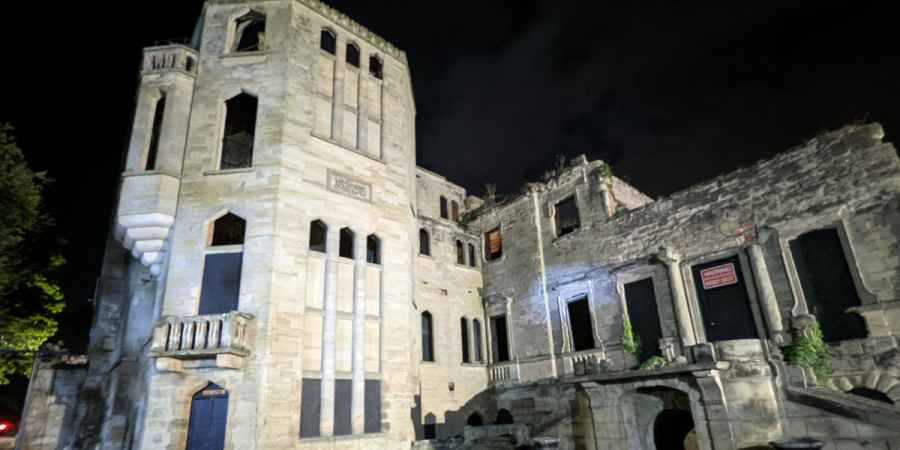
[199,337]
[172,57]
[504,373]
[583,362]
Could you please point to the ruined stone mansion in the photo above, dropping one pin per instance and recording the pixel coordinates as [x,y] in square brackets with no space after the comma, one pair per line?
[281,274]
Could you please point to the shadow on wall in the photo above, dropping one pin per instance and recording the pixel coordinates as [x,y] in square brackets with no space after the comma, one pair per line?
[480,410]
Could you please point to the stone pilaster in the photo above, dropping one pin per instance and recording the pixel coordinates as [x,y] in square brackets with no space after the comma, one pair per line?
[359,333]
[679,300]
[329,335]
[766,290]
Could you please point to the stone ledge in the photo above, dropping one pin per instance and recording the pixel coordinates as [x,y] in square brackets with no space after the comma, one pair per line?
[847,405]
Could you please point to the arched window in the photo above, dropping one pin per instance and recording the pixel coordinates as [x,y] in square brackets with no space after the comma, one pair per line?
[471,255]
[208,418]
[328,41]
[476,334]
[464,334]
[444,208]
[240,129]
[376,67]
[454,211]
[460,253]
[474,420]
[353,55]
[155,132]
[424,243]
[346,248]
[250,32]
[504,417]
[318,232]
[373,249]
[221,285]
[427,337]
[228,230]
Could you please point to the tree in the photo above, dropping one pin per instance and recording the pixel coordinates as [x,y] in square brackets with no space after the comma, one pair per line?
[30,297]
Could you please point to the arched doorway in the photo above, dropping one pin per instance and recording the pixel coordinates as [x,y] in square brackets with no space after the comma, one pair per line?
[670,428]
[504,417]
[657,417]
[209,414]
[474,420]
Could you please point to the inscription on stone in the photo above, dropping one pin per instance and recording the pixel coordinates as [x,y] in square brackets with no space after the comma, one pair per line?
[345,185]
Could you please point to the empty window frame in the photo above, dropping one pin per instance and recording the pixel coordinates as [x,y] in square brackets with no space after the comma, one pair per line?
[643,315]
[427,337]
[580,324]
[376,67]
[352,56]
[499,339]
[227,230]
[373,249]
[460,253]
[464,335]
[310,407]
[472,257]
[424,243]
[318,236]
[566,216]
[240,129]
[444,214]
[155,131]
[493,244]
[250,32]
[328,41]
[221,284]
[372,408]
[454,210]
[346,247]
[476,338]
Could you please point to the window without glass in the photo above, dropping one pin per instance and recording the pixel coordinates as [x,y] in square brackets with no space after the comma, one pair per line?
[228,230]
[353,55]
[566,216]
[454,211]
[221,285]
[373,249]
[476,334]
[317,236]
[424,243]
[580,325]
[444,208]
[310,407]
[346,248]
[328,41]
[493,244]
[499,339]
[240,128]
[464,333]
[376,67]
[427,337]
[460,253]
[250,32]
[640,300]
[155,132]
[472,256]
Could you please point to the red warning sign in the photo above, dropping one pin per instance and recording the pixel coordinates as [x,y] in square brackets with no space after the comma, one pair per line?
[718,276]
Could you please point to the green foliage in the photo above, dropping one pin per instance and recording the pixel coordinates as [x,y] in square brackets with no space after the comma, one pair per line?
[810,350]
[652,363]
[605,171]
[630,341]
[30,297]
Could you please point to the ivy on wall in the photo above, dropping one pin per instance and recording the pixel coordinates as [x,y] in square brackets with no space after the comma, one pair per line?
[809,350]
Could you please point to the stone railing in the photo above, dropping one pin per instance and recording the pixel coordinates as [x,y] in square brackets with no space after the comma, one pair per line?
[504,373]
[583,362]
[199,337]
[169,57]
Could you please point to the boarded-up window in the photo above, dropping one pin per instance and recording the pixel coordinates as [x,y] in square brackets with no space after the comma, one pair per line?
[353,55]
[444,214]
[373,249]
[343,403]
[317,236]
[373,407]
[310,408]
[464,334]
[454,211]
[424,243]
[580,325]
[240,129]
[566,216]
[493,244]
[328,41]
[221,287]
[499,339]
[346,247]
[472,256]
[460,253]
[250,32]
[427,337]
[155,132]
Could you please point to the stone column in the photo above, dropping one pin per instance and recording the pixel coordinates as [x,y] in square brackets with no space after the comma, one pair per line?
[329,330]
[337,111]
[679,299]
[359,333]
[766,291]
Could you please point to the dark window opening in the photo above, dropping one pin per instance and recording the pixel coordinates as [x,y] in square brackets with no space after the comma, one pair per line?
[580,324]
[372,410]
[155,132]
[670,428]
[343,402]
[318,236]
[472,256]
[250,30]
[353,55]
[464,333]
[430,430]
[310,407]
[493,244]
[228,230]
[460,253]
[444,214]
[424,243]
[871,394]
[189,64]
[640,299]
[328,41]
[566,216]
[427,337]
[828,285]
[476,331]
[221,286]
[454,211]
[373,249]
[346,247]
[474,420]
[504,417]
[376,68]
[500,340]
[240,129]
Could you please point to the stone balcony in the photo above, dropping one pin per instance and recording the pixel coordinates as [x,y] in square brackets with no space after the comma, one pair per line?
[583,362]
[199,341]
[146,212]
[169,58]
[503,374]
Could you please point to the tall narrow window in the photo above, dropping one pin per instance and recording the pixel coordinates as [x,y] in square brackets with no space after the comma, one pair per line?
[493,244]
[424,243]
[427,337]
[221,285]
[155,132]
[318,232]
[353,55]
[240,129]
[580,325]
[328,41]
[454,211]
[250,32]
[444,214]
[476,334]
[346,248]
[472,256]
[499,339]
[460,253]
[643,314]
[376,67]
[828,284]
[566,216]
[373,249]
[464,334]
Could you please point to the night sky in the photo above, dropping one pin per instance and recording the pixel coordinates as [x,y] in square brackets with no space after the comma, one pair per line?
[669,93]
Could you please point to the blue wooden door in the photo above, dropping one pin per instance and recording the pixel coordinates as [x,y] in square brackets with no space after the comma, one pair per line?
[209,414]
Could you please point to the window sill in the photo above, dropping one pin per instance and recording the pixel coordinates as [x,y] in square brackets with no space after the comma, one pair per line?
[426,256]
[142,173]
[492,262]
[473,365]
[430,363]
[228,171]
[466,266]
[245,57]
[345,147]
[568,236]
[346,437]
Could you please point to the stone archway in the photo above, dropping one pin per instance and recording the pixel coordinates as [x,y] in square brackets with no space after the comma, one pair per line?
[657,418]
[875,380]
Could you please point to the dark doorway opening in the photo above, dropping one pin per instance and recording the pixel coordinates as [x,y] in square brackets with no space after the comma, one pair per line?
[872,394]
[209,414]
[499,341]
[475,420]
[640,299]
[580,323]
[504,417]
[670,429]
[724,301]
[827,284]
